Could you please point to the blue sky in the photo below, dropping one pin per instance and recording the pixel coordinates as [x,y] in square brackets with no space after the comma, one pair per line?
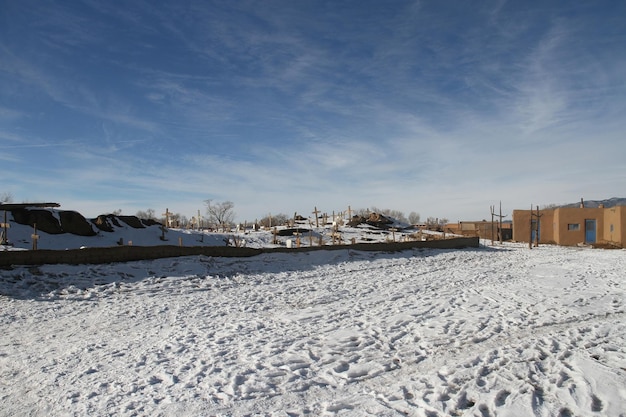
[439,107]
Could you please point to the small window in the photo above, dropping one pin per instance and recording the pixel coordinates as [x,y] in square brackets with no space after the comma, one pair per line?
[573,226]
[611,228]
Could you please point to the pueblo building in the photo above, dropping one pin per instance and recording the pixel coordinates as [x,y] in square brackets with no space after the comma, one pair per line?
[571,226]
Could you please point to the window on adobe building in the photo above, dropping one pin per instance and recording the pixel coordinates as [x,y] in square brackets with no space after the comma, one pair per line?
[573,226]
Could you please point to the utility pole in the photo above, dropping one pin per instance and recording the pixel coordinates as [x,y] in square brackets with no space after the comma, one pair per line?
[530,235]
[492,214]
[538,228]
[499,224]
[535,217]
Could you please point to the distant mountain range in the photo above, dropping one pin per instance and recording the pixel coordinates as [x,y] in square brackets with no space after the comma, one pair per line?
[611,202]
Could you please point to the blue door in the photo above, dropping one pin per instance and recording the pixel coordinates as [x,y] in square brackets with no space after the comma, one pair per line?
[590,231]
[535,234]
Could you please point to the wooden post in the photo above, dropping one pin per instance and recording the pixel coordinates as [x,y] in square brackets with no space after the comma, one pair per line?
[500,222]
[530,235]
[537,233]
[393,233]
[167,223]
[5,226]
[537,228]
[35,236]
[167,217]
[315,212]
[492,214]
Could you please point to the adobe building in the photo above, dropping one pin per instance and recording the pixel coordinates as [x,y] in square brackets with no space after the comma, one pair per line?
[571,226]
[483,229]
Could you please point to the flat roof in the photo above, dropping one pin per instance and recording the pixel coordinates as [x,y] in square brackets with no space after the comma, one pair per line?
[15,206]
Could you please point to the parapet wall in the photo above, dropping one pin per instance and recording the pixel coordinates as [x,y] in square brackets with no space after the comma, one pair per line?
[137,253]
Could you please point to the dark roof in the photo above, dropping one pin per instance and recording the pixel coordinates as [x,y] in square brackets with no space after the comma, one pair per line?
[15,206]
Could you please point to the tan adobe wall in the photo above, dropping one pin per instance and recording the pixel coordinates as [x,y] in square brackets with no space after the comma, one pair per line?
[615,226]
[566,225]
[546,224]
[577,216]
[521,231]
[521,225]
[483,229]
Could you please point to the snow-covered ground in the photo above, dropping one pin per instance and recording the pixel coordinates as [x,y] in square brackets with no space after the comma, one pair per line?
[492,331]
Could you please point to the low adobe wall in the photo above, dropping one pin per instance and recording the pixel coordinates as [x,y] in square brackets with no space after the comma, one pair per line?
[137,253]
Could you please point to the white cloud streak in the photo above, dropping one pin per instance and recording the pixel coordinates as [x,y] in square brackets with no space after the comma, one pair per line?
[288,105]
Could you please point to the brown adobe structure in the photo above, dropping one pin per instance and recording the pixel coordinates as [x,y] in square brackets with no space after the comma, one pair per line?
[571,226]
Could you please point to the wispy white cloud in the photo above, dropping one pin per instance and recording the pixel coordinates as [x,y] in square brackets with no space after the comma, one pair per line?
[292,105]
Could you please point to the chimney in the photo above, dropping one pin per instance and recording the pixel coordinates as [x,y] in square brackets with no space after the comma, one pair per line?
[582,203]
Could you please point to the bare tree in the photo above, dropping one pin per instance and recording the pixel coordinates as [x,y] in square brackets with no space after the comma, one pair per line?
[363,212]
[178,220]
[149,214]
[550,206]
[6,198]
[394,214]
[274,220]
[220,213]
[414,218]
[436,223]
